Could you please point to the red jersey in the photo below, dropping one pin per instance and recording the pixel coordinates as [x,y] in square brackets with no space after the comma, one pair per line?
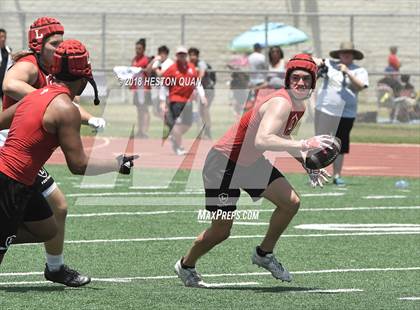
[140,62]
[181,82]
[28,145]
[238,143]
[40,82]
[394,62]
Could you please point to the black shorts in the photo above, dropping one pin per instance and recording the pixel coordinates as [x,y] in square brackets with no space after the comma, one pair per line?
[44,183]
[14,197]
[337,126]
[18,203]
[223,179]
[179,113]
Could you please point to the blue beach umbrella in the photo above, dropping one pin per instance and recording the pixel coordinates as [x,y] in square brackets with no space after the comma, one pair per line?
[277,34]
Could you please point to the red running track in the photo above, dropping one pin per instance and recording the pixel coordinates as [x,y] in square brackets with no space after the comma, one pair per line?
[364,159]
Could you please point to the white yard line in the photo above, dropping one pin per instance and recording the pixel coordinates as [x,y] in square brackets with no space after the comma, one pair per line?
[323,194]
[410,298]
[231,237]
[227,284]
[385,197]
[129,213]
[118,194]
[104,214]
[247,274]
[184,192]
[240,223]
[387,227]
[330,291]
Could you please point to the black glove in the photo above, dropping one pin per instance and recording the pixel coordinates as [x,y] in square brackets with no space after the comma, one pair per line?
[126,163]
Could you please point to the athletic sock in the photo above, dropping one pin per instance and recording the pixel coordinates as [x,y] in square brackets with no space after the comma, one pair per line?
[261,252]
[54,262]
[186,266]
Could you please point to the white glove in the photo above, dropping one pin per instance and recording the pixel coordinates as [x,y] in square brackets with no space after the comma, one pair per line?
[318,177]
[97,123]
[317,142]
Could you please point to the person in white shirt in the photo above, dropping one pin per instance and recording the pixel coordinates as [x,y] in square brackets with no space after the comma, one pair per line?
[336,105]
[160,63]
[256,62]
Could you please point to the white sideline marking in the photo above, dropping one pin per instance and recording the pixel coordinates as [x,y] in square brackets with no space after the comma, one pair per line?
[409,298]
[231,237]
[262,210]
[362,227]
[385,197]
[128,279]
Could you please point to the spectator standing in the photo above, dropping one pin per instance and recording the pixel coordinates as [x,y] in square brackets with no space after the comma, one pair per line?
[256,62]
[142,97]
[5,58]
[208,83]
[157,67]
[336,105]
[181,79]
[276,62]
[393,60]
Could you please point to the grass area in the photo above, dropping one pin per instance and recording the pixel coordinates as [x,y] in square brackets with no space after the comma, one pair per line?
[306,252]
[120,119]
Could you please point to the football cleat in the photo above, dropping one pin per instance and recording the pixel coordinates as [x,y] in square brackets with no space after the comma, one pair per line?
[66,276]
[339,182]
[180,151]
[189,276]
[270,263]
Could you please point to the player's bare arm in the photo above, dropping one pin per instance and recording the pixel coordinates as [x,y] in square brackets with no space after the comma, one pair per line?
[275,113]
[18,80]
[6,117]
[63,118]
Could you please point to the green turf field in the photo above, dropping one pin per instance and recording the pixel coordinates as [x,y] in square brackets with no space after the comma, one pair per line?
[117,236]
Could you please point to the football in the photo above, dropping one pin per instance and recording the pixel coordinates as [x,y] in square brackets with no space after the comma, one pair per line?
[322,158]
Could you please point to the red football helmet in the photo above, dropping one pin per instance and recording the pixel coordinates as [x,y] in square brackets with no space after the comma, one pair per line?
[301,62]
[42,28]
[71,63]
